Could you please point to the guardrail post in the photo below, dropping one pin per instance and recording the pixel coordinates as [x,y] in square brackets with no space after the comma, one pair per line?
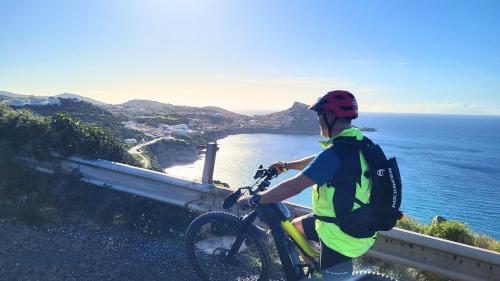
[208,168]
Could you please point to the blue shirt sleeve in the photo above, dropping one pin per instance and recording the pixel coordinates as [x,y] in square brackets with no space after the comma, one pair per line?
[322,167]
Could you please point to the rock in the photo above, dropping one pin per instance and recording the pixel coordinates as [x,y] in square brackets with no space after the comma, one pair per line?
[438,219]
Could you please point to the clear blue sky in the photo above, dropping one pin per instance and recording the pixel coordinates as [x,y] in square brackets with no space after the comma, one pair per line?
[409,56]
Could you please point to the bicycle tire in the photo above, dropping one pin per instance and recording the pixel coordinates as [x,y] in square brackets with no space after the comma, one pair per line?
[370,276]
[219,270]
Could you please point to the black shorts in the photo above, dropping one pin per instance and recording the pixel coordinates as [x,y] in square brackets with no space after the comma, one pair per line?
[329,259]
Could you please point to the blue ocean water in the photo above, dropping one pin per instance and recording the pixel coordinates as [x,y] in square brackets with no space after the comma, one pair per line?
[449,164]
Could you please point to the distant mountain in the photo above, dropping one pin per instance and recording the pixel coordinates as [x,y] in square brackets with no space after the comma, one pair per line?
[301,119]
[296,119]
[297,108]
[159,107]
[80,98]
[138,103]
[8,95]
[221,111]
[11,95]
[82,110]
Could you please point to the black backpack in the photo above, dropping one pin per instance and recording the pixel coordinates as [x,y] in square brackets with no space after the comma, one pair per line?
[382,211]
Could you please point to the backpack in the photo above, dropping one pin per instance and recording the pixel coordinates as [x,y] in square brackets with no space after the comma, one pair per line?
[382,211]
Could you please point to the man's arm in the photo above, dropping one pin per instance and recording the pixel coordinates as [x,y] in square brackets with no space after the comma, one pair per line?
[300,164]
[318,172]
[285,189]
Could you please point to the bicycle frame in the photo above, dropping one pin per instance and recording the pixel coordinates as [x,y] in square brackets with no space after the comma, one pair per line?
[300,240]
[276,216]
[280,226]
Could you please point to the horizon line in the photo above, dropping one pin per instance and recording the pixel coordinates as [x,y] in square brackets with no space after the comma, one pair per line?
[248,111]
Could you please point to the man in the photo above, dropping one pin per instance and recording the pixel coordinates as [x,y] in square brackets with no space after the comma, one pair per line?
[330,170]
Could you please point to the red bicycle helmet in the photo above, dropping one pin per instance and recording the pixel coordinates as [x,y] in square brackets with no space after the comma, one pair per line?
[342,103]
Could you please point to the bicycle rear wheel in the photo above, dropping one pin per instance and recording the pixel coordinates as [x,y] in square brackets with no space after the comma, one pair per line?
[210,237]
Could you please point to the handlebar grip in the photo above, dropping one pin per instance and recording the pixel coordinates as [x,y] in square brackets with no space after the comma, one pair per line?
[231,199]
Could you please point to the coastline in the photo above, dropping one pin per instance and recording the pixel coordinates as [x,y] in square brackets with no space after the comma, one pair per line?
[189,152]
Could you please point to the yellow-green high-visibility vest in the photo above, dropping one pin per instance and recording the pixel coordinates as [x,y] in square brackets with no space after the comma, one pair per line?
[322,205]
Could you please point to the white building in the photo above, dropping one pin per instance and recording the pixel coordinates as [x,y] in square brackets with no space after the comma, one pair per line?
[34,102]
[180,130]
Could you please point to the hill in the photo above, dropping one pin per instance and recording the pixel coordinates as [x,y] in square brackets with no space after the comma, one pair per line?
[296,119]
[149,118]
[144,104]
[155,107]
[27,134]
[4,95]
[80,98]
[90,114]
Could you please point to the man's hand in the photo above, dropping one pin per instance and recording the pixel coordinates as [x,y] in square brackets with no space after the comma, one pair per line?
[244,201]
[279,166]
[250,201]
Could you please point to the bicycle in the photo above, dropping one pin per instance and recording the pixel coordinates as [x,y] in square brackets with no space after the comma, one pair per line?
[222,246]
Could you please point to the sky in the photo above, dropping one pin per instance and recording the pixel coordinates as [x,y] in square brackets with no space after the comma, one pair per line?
[395,56]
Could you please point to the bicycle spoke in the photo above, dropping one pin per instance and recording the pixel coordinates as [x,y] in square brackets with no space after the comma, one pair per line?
[211,245]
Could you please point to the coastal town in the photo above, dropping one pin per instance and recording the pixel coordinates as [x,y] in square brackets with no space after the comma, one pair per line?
[151,120]
[203,122]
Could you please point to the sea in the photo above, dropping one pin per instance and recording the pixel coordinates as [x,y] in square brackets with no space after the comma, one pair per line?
[449,164]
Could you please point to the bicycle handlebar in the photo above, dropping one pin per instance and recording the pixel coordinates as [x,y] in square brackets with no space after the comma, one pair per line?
[263,177]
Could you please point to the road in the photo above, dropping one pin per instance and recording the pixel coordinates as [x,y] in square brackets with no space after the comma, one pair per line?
[136,150]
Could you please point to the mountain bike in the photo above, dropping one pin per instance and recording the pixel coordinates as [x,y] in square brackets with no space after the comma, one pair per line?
[222,246]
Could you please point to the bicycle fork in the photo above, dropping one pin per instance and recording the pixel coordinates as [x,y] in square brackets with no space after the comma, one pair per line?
[240,236]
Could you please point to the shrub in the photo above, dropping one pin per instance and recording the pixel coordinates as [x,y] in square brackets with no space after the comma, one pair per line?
[451,230]
[26,134]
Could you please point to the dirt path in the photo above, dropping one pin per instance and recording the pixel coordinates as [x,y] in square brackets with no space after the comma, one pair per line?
[87,252]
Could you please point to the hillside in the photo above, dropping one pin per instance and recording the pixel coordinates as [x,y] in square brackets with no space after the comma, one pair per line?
[4,95]
[144,104]
[145,119]
[90,114]
[155,107]
[27,134]
[296,119]
[80,98]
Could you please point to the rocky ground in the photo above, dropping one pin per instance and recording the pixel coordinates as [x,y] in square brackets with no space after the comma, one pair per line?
[88,251]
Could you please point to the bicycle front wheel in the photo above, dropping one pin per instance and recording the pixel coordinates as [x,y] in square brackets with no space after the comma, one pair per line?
[210,237]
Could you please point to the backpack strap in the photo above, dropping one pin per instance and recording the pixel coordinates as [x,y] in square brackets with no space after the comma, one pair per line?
[327,219]
[347,176]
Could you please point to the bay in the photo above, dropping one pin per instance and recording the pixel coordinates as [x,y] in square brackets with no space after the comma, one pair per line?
[449,163]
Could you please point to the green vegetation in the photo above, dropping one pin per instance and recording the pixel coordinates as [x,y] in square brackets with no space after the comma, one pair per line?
[449,230]
[91,114]
[38,199]
[155,121]
[153,163]
[26,134]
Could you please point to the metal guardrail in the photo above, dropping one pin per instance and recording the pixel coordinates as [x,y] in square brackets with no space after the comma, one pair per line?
[423,252]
